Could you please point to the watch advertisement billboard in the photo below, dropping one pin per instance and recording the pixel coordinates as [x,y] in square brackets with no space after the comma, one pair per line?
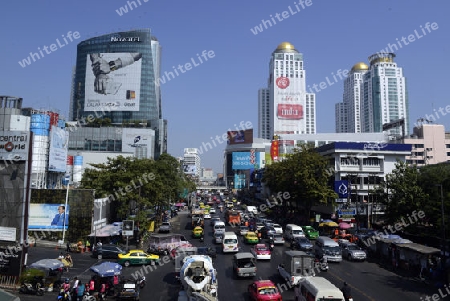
[57,157]
[113,81]
[289,104]
[189,169]
[50,217]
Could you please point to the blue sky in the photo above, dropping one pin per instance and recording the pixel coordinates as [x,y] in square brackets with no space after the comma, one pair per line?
[212,97]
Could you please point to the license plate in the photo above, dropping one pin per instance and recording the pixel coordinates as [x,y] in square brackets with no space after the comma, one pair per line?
[230,247]
[246,274]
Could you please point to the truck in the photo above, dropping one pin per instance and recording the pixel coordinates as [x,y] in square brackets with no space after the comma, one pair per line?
[296,266]
[233,217]
[244,264]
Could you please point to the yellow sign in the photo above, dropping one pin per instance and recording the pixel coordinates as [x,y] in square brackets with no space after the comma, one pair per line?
[151,226]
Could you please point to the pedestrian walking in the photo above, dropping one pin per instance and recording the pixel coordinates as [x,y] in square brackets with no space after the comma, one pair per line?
[68,247]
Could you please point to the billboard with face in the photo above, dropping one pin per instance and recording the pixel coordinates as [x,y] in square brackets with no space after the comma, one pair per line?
[113,81]
[50,217]
[240,137]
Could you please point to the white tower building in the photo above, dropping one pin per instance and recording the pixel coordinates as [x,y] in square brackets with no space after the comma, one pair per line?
[385,97]
[191,162]
[291,109]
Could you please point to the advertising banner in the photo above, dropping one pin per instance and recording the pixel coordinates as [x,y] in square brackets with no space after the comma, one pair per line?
[240,137]
[289,97]
[190,169]
[342,188]
[57,157]
[14,145]
[135,138]
[113,81]
[50,217]
[243,160]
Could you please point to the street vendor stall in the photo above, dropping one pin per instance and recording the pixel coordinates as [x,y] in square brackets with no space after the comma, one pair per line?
[50,269]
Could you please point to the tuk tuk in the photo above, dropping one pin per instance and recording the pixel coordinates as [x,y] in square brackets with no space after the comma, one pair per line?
[51,279]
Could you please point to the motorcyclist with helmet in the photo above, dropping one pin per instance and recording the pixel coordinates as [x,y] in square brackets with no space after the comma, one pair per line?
[347,292]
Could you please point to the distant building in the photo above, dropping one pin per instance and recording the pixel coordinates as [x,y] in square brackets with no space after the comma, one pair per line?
[191,162]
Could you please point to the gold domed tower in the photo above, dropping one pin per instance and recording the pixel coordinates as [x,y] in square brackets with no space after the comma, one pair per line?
[286,47]
[361,66]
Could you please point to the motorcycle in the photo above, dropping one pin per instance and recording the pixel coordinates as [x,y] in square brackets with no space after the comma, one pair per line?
[63,296]
[271,245]
[141,282]
[321,263]
[35,288]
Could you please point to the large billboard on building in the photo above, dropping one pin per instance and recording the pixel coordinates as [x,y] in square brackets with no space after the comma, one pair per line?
[189,169]
[113,81]
[240,137]
[289,104]
[135,139]
[50,217]
[57,157]
[245,160]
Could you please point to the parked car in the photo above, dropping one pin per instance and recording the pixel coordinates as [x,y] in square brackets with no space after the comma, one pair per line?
[134,257]
[261,251]
[351,251]
[251,238]
[301,244]
[278,228]
[277,239]
[209,251]
[310,232]
[266,231]
[262,290]
[107,251]
[218,238]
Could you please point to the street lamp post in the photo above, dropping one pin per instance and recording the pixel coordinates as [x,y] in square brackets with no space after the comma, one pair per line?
[65,209]
[443,225]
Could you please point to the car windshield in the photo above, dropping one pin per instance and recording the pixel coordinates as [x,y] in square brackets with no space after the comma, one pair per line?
[332,249]
[244,228]
[297,232]
[353,248]
[267,291]
[230,241]
[261,248]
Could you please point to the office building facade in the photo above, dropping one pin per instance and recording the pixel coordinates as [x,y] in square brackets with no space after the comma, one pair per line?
[264,113]
[115,80]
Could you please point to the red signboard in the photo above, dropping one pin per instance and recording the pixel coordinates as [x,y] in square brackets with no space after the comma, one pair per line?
[290,111]
[274,150]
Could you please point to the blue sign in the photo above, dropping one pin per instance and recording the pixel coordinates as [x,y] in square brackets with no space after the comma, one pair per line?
[243,160]
[51,217]
[342,188]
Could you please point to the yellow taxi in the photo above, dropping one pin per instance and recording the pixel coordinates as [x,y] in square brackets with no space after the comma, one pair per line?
[251,238]
[197,232]
[134,257]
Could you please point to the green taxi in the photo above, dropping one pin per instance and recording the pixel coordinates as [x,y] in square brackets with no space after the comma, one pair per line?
[251,238]
[134,257]
[310,232]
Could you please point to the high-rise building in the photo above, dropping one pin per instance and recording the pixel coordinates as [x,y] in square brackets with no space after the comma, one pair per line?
[115,80]
[263,113]
[373,96]
[385,97]
[291,109]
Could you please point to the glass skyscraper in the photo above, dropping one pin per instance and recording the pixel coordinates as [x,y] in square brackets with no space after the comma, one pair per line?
[114,81]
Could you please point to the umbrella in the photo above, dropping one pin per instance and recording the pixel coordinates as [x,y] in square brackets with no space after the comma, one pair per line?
[328,224]
[107,269]
[51,264]
[344,226]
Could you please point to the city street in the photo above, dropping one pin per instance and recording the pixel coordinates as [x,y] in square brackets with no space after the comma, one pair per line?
[367,279]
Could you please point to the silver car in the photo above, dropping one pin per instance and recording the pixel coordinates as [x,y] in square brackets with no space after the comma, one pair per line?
[353,252]
[218,238]
[243,230]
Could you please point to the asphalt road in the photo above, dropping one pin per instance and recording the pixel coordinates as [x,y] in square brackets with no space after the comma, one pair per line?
[367,279]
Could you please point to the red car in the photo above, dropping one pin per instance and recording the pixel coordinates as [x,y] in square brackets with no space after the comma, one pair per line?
[261,251]
[263,290]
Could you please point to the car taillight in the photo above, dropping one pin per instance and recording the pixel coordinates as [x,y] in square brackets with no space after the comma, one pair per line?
[292,279]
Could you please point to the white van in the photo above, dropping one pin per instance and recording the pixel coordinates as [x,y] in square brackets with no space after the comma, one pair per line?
[219,227]
[252,209]
[317,288]
[293,231]
[230,243]
[325,246]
